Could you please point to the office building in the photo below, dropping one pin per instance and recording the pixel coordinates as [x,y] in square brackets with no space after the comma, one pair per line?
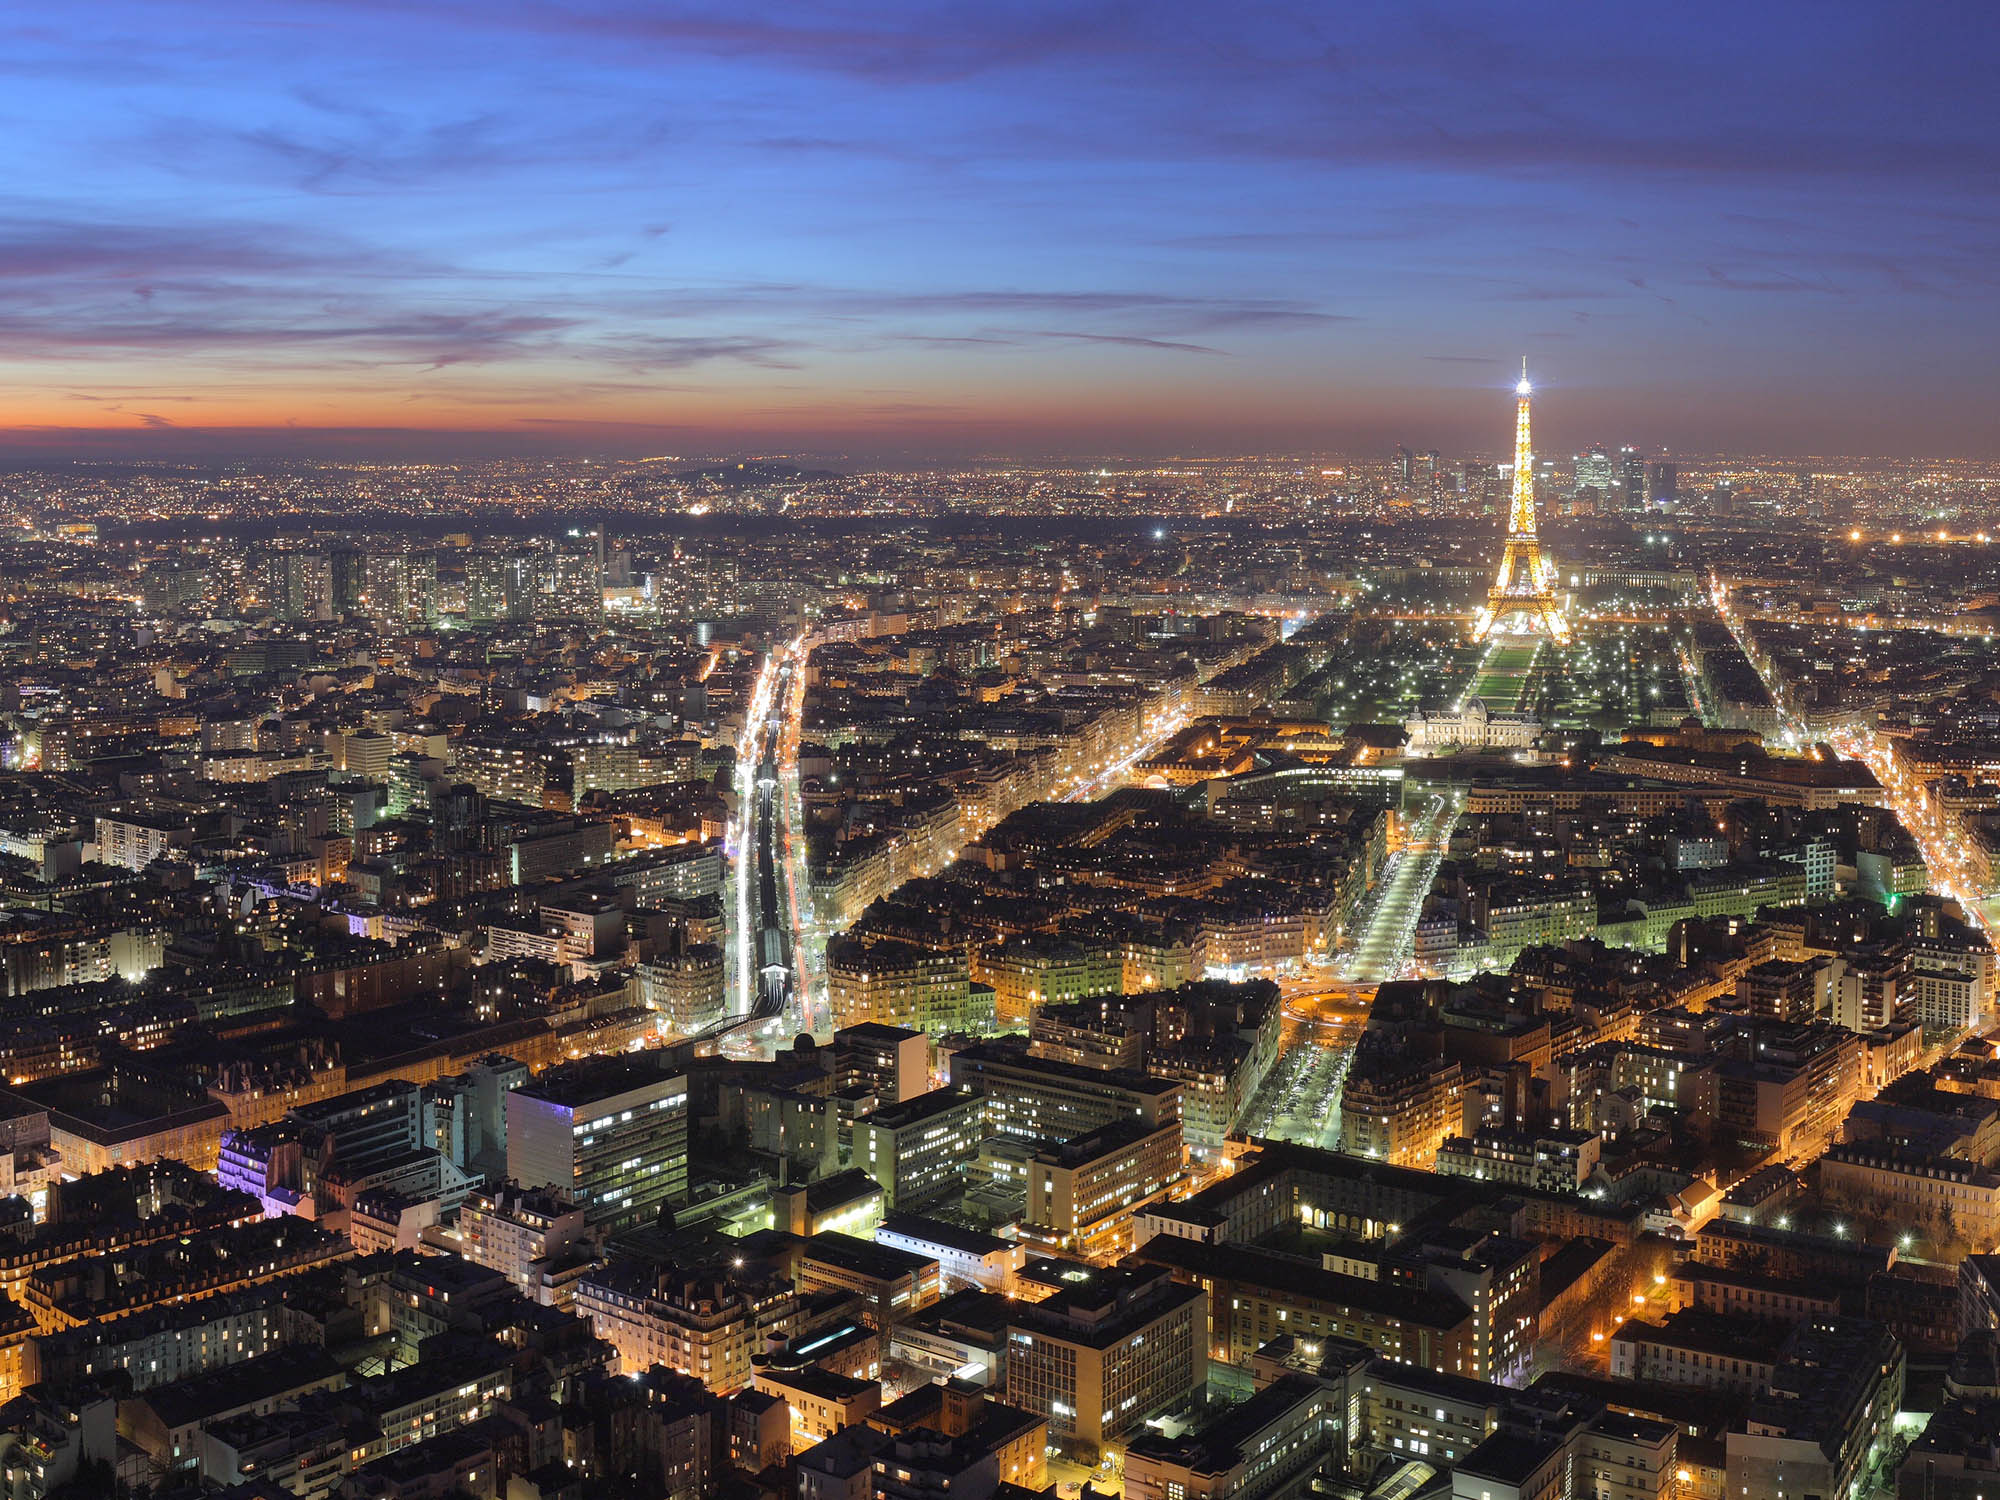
[1111,1349]
[1083,1195]
[1270,1444]
[918,1150]
[1046,1102]
[610,1134]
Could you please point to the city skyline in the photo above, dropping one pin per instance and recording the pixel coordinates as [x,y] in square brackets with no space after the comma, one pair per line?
[907,236]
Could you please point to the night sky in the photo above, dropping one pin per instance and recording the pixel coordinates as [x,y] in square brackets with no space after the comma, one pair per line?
[895,232]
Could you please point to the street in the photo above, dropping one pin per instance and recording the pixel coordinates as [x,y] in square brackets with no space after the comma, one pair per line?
[1397,902]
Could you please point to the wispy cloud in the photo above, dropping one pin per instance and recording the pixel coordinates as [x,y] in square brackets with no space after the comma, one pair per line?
[1129,341]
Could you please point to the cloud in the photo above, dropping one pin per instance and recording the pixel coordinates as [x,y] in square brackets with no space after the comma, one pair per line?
[126,250]
[655,352]
[1128,340]
[930,47]
[368,153]
[264,296]
[1782,282]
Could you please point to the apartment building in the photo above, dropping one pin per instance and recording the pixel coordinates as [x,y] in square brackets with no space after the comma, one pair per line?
[901,984]
[705,1324]
[1402,1111]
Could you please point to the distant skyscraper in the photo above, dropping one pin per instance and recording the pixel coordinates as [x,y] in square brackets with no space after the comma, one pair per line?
[350,582]
[1632,477]
[166,587]
[385,588]
[421,569]
[398,588]
[1404,472]
[1593,472]
[1523,597]
[576,587]
[498,588]
[1663,482]
[299,585]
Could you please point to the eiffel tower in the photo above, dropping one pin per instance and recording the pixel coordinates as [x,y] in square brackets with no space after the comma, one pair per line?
[1523,599]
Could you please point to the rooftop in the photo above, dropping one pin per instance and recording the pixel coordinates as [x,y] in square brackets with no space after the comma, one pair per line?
[579,1085]
[863,1257]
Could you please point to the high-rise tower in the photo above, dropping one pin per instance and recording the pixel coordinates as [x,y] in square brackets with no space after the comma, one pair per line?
[1523,598]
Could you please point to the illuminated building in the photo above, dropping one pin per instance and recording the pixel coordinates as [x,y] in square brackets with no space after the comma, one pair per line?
[1594,472]
[891,1062]
[685,984]
[1049,1102]
[611,1134]
[1425,1413]
[847,1203]
[517,1232]
[1257,1295]
[163,1344]
[516,772]
[132,840]
[499,588]
[299,586]
[1471,726]
[1632,477]
[706,1325]
[921,989]
[1523,598]
[965,1257]
[893,1283]
[953,1439]
[1817,1422]
[1277,1438]
[822,1402]
[1105,1353]
[1031,970]
[918,1149]
[962,1337]
[1402,1110]
[1083,1194]
[1554,1161]
[1941,1196]
[210,1264]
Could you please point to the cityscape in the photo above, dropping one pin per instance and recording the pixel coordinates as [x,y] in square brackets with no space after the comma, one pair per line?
[635,866]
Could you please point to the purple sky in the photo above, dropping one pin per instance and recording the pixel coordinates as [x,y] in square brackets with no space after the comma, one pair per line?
[905,232]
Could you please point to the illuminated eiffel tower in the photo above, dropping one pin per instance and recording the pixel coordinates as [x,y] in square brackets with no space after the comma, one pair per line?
[1523,599]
